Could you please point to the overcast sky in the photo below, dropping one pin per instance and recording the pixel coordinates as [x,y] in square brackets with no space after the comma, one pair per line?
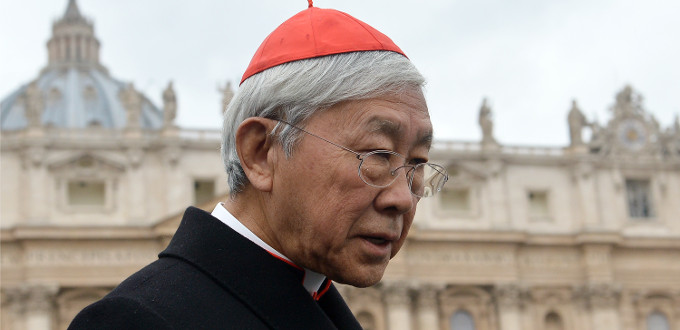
[530,58]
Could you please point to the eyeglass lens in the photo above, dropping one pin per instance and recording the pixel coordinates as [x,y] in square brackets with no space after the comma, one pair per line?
[380,169]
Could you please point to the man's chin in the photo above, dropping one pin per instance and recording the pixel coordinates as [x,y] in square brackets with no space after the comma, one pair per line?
[363,278]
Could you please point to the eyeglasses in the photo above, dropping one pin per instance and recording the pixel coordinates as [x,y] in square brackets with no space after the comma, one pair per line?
[379,168]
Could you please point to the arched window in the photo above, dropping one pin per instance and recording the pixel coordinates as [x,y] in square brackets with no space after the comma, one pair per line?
[553,321]
[657,321]
[462,320]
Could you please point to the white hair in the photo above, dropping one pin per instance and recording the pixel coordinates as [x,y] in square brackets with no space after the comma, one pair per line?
[294,91]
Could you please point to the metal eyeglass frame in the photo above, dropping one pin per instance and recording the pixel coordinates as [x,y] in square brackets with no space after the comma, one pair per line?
[362,156]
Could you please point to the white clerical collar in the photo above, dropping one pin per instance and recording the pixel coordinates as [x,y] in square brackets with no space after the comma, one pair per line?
[312,281]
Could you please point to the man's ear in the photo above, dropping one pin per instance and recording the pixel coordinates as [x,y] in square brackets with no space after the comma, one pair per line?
[253,144]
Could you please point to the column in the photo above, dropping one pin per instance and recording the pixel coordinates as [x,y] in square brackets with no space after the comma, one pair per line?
[603,296]
[604,303]
[35,180]
[426,307]
[73,45]
[13,308]
[62,48]
[138,191]
[587,196]
[40,306]
[499,211]
[398,304]
[509,300]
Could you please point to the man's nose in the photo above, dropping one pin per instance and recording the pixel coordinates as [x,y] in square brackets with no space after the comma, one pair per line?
[397,197]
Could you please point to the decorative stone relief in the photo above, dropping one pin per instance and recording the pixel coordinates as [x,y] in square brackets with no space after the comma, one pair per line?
[427,296]
[545,259]
[632,132]
[603,295]
[396,293]
[75,256]
[509,295]
[551,296]
[41,297]
[135,155]
[33,156]
[462,257]
[14,298]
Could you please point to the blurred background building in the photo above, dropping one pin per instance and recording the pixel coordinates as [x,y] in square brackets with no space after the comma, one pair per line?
[95,178]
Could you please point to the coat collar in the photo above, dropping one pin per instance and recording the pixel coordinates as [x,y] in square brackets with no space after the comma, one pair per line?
[269,286]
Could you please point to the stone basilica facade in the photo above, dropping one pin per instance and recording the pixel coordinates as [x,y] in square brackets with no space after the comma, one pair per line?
[585,236]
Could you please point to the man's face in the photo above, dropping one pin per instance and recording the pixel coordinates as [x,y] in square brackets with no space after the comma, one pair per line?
[323,216]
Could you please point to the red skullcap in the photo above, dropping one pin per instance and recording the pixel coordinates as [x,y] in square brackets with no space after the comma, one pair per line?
[316,32]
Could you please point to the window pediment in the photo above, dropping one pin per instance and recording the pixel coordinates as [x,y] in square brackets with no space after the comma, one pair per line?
[86,165]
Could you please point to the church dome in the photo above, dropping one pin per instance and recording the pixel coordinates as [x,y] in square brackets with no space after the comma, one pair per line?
[74,90]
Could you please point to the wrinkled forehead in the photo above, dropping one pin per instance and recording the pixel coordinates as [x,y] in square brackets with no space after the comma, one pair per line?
[397,131]
[397,116]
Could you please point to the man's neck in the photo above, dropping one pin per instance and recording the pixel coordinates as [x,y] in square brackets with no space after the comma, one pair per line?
[251,227]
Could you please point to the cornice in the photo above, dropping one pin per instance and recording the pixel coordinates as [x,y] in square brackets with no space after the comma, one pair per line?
[524,238]
[23,233]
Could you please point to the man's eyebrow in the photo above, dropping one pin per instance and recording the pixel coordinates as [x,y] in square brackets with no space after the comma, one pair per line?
[384,126]
[394,131]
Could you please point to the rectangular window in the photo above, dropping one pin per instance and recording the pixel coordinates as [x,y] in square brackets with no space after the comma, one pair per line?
[456,199]
[86,193]
[204,191]
[639,197]
[538,204]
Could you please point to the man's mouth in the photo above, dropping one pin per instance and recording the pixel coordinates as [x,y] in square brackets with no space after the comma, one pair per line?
[377,240]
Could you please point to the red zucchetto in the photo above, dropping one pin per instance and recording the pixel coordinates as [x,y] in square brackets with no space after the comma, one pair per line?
[317,32]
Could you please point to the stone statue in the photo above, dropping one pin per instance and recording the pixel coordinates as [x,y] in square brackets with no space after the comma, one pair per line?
[34,105]
[227,95]
[627,103]
[169,105]
[576,121]
[486,123]
[132,101]
[673,144]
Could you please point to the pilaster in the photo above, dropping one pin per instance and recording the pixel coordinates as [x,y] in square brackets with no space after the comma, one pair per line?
[426,307]
[509,301]
[40,306]
[398,300]
[604,303]
[13,308]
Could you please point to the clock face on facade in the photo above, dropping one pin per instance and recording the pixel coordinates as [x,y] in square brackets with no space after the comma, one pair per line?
[632,134]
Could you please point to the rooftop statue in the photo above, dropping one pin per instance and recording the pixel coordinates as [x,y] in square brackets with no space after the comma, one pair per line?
[169,105]
[486,123]
[576,121]
[227,95]
[132,101]
[628,103]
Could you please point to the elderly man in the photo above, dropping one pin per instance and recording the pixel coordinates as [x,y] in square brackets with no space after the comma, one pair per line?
[326,147]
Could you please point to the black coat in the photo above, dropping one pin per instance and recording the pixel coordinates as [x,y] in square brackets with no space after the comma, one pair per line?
[211,277]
